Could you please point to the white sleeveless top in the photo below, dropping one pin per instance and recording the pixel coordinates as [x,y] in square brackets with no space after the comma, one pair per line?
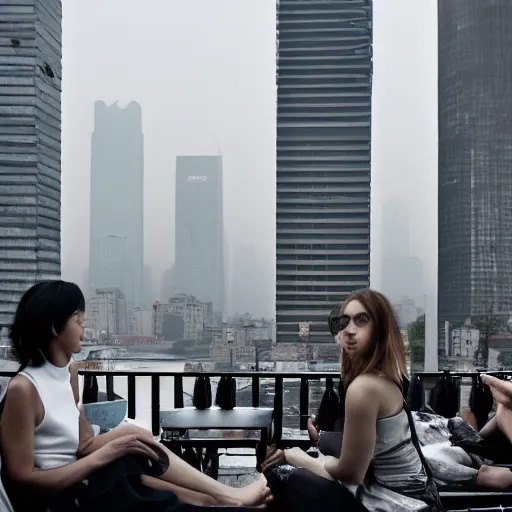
[56,438]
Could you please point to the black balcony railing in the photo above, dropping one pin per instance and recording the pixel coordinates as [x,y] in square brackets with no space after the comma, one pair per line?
[461,379]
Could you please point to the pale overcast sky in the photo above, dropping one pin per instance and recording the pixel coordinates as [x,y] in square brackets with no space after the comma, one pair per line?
[204,74]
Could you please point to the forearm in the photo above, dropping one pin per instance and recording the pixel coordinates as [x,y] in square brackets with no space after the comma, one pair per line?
[92,443]
[300,459]
[59,479]
[490,429]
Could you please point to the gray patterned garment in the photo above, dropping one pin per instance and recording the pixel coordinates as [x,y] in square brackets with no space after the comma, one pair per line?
[451,466]
[396,463]
[396,472]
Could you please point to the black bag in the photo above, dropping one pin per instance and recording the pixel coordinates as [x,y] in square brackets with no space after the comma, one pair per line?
[444,397]
[342,396]
[416,394]
[328,411]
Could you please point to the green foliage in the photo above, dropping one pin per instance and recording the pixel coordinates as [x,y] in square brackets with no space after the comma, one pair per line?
[416,335]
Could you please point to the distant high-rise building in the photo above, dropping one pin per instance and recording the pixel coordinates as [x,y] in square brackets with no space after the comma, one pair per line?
[30,99]
[117,204]
[323,161]
[475,162]
[250,284]
[401,274]
[199,228]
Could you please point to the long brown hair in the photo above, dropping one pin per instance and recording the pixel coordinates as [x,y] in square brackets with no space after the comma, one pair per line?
[387,355]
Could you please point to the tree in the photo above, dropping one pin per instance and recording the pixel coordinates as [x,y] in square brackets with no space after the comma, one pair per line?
[416,334]
[488,326]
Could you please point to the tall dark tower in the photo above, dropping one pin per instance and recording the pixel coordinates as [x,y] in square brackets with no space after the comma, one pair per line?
[475,163]
[323,161]
[30,124]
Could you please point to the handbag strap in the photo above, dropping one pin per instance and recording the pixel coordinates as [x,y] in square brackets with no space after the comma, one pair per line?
[416,442]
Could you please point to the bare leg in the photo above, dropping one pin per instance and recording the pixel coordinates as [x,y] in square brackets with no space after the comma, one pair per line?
[494,478]
[182,474]
[184,495]
[297,457]
[185,476]
[504,421]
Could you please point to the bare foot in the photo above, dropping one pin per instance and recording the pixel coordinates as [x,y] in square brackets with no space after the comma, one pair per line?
[254,494]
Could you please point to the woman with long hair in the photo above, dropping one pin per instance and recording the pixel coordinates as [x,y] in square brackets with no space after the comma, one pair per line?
[51,457]
[380,466]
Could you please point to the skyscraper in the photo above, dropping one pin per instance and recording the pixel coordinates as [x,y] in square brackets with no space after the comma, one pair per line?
[117,204]
[199,228]
[323,161]
[30,98]
[475,161]
[401,273]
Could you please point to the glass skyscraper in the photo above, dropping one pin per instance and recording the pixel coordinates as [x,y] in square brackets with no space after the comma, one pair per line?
[324,82]
[30,165]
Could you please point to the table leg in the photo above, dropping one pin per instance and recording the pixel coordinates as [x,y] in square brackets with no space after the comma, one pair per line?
[261,449]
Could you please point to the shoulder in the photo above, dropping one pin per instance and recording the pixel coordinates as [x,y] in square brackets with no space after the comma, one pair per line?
[367,384]
[21,390]
[366,391]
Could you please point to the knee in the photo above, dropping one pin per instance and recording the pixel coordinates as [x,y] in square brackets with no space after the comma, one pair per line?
[129,429]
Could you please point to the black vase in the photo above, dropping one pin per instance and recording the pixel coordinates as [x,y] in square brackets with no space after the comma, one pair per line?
[328,412]
[90,392]
[226,393]
[202,397]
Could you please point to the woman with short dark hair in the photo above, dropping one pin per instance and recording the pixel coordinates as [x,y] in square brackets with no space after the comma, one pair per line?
[48,446]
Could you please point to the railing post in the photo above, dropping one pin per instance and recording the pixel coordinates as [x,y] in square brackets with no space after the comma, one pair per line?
[178,391]
[256,391]
[278,410]
[155,404]
[304,403]
[110,387]
[131,397]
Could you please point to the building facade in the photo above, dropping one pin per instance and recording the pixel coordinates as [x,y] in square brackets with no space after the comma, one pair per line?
[106,312]
[475,162]
[199,229]
[30,165]
[183,317]
[323,161]
[117,201]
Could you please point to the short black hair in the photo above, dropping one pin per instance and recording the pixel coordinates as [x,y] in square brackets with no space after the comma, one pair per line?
[43,311]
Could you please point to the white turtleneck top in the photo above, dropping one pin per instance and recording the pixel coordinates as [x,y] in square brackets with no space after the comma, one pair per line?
[56,438]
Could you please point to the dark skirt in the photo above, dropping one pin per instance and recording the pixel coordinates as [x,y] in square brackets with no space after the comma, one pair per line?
[300,490]
[116,487]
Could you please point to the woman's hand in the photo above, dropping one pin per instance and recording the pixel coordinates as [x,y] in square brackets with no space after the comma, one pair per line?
[126,445]
[275,456]
[501,390]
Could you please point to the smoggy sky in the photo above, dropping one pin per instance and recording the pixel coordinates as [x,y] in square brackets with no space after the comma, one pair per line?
[204,74]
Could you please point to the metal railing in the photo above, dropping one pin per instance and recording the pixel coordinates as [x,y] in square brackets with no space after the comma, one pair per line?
[278,379]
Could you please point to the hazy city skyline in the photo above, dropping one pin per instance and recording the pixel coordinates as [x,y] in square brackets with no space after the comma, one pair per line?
[219,98]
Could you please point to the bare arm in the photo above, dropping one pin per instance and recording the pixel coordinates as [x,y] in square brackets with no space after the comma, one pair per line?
[359,433]
[17,436]
[89,443]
